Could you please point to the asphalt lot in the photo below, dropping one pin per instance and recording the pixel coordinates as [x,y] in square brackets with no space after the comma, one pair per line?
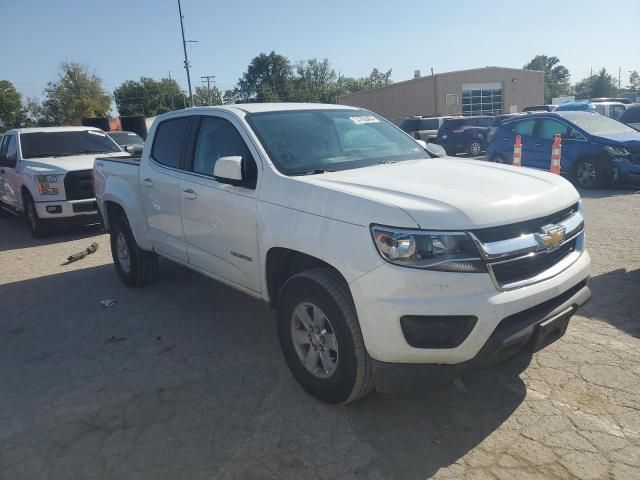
[184,379]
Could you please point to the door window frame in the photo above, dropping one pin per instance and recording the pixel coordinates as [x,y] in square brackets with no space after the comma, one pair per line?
[183,147]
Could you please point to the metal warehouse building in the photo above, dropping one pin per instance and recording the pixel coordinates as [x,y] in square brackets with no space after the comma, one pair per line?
[481,91]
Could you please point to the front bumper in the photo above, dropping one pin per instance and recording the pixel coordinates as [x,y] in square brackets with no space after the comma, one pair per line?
[527,331]
[626,172]
[66,208]
[382,297]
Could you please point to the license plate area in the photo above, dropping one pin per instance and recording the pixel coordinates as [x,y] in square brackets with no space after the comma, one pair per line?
[550,330]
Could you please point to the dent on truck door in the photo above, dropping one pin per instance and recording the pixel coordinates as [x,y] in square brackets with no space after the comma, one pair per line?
[160,186]
[220,219]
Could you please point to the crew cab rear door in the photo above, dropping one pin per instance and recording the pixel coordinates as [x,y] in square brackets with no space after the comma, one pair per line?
[10,182]
[159,178]
[220,219]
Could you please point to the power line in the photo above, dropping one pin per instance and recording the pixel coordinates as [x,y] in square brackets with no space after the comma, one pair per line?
[208,78]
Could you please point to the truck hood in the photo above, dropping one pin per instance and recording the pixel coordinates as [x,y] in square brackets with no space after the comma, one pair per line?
[449,193]
[51,165]
[630,139]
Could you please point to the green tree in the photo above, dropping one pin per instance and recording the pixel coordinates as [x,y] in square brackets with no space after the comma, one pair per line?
[601,84]
[268,78]
[315,81]
[374,80]
[149,97]
[10,106]
[34,113]
[634,81]
[556,76]
[76,94]
[204,96]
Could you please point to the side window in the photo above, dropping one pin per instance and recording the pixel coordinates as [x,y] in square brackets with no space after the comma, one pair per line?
[219,138]
[616,111]
[600,109]
[11,150]
[5,143]
[524,127]
[632,115]
[549,128]
[168,140]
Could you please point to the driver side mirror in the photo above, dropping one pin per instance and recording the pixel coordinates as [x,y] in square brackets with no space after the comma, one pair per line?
[134,149]
[229,170]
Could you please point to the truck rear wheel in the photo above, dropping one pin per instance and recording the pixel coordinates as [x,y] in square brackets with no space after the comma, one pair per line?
[37,226]
[135,267]
[320,337]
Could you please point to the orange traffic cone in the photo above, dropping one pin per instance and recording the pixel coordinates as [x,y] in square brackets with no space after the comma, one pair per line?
[555,154]
[517,152]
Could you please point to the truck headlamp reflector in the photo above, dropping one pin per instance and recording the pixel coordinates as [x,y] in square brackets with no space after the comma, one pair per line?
[45,186]
[443,251]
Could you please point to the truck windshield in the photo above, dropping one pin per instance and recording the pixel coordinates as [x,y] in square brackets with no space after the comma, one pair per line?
[65,143]
[314,141]
[600,125]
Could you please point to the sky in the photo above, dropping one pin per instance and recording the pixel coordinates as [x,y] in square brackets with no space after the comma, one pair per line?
[126,39]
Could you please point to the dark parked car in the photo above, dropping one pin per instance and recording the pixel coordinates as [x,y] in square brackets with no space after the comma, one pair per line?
[631,116]
[466,134]
[499,120]
[423,128]
[596,150]
[126,139]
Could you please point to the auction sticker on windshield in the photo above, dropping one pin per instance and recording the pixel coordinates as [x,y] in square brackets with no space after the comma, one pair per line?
[364,119]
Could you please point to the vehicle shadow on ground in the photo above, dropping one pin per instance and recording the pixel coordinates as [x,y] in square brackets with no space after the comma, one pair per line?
[616,299]
[609,192]
[14,233]
[193,368]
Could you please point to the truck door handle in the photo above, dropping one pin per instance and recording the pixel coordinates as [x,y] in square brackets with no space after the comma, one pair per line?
[147,182]
[190,194]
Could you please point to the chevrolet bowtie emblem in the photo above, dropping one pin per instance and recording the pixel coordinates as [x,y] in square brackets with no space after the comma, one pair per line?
[551,236]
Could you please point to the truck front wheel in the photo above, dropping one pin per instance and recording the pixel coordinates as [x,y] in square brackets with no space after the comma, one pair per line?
[320,337]
[135,267]
[37,226]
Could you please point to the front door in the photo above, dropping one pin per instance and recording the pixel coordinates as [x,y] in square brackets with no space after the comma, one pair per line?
[159,180]
[525,128]
[220,219]
[546,129]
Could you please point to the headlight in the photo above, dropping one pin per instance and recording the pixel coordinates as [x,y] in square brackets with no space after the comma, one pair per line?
[443,251]
[616,151]
[46,184]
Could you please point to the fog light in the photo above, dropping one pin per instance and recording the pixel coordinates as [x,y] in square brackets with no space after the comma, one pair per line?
[436,332]
[54,209]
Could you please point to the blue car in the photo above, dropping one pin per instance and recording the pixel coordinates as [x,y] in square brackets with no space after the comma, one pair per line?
[581,106]
[596,150]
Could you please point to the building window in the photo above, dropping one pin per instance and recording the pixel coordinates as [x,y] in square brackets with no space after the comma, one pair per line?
[482,99]
[452,99]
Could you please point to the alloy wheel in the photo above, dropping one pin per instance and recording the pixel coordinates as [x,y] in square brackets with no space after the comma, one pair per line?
[586,174]
[314,340]
[122,250]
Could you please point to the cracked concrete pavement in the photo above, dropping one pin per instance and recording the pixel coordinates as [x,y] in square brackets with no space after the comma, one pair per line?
[184,379]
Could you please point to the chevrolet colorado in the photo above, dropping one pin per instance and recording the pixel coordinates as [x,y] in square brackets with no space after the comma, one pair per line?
[45,173]
[378,257]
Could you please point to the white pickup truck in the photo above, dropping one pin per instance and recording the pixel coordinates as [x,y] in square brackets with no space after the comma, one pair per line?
[383,262]
[45,173]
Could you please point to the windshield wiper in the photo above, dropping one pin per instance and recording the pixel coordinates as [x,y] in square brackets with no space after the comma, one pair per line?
[317,171]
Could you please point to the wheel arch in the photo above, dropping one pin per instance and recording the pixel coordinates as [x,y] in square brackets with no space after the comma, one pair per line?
[282,263]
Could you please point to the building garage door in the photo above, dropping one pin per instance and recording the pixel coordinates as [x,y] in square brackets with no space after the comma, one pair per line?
[482,98]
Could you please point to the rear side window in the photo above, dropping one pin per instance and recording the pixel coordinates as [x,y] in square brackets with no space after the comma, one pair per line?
[168,140]
[409,124]
[616,111]
[428,124]
[524,127]
[452,124]
[632,115]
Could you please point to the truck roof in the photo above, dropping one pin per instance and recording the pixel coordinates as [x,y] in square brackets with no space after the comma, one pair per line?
[272,107]
[51,129]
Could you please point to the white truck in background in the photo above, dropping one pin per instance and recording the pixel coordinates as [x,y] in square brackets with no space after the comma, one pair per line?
[45,173]
[383,262]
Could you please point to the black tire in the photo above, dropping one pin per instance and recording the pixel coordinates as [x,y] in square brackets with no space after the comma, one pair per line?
[37,226]
[474,148]
[353,374]
[142,266]
[589,173]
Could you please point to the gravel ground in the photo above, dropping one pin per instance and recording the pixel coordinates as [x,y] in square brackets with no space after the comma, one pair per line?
[184,379]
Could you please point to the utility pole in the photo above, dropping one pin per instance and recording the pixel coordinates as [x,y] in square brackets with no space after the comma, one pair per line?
[208,78]
[186,59]
[170,96]
[619,74]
